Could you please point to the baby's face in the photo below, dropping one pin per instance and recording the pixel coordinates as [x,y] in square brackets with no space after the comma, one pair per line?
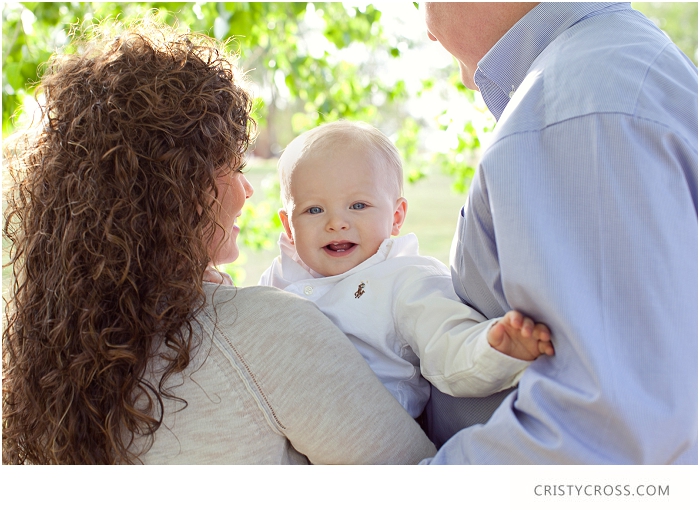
[342,208]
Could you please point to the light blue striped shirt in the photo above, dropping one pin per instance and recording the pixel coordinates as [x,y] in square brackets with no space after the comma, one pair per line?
[583,215]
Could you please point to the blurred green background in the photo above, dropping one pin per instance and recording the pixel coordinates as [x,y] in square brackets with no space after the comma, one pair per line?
[312,63]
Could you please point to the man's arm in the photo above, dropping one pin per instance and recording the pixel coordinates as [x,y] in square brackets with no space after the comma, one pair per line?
[600,241]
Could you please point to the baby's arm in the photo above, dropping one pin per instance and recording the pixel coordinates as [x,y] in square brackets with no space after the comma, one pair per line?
[520,337]
[450,338]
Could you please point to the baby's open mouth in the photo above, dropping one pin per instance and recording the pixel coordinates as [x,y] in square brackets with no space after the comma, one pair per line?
[340,247]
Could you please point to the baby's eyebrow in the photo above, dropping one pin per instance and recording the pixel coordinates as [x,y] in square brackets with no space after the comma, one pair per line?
[306,206]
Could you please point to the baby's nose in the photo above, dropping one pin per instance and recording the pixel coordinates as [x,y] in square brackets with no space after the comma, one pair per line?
[337,223]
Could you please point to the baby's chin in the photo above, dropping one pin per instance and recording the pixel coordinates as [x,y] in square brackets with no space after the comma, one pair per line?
[336,270]
[342,266]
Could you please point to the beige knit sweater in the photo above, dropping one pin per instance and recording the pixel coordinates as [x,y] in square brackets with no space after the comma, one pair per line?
[275,382]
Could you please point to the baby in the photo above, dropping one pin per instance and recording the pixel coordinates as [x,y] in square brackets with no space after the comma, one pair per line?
[342,201]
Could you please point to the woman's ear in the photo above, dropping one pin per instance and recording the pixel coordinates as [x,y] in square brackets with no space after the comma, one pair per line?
[399,215]
[285,222]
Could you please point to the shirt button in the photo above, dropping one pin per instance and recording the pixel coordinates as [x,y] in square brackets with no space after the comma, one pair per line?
[308,290]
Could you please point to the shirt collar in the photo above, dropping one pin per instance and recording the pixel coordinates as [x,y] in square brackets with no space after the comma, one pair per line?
[293,269]
[504,67]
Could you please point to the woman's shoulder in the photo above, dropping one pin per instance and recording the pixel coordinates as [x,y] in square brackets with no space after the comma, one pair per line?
[218,293]
[268,327]
[266,303]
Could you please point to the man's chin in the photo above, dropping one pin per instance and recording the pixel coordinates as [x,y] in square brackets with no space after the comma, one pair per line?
[467,77]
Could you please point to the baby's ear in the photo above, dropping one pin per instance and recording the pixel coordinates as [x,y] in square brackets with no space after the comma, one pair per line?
[399,215]
[285,222]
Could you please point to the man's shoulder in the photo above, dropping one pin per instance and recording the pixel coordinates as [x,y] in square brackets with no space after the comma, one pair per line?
[604,62]
[607,64]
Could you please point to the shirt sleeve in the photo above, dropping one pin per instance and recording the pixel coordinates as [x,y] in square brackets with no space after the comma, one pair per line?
[594,225]
[323,396]
[449,337]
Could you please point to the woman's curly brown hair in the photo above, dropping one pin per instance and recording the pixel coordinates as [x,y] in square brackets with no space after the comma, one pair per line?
[109,216]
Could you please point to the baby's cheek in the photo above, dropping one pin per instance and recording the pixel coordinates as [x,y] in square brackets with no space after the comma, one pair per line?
[309,259]
[301,246]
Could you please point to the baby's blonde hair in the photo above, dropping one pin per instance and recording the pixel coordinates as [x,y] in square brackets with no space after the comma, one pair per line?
[339,133]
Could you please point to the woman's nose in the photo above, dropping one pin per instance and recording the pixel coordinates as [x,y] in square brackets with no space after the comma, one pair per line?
[248,188]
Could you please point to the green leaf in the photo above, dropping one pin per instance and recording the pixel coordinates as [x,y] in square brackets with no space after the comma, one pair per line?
[12,74]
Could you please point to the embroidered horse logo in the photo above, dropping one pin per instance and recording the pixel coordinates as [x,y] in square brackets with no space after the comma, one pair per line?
[360,291]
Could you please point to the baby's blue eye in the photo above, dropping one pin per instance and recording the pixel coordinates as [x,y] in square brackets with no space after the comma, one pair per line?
[315,210]
[358,206]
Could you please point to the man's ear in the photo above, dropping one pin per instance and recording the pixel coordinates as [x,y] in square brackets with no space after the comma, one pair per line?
[285,222]
[399,215]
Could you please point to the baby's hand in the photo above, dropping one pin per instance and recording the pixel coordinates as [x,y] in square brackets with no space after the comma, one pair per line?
[518,336]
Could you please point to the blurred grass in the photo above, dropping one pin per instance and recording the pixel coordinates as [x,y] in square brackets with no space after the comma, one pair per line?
[432,215]
[433,208]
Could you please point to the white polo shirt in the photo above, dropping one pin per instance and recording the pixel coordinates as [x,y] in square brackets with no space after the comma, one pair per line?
[397,307]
